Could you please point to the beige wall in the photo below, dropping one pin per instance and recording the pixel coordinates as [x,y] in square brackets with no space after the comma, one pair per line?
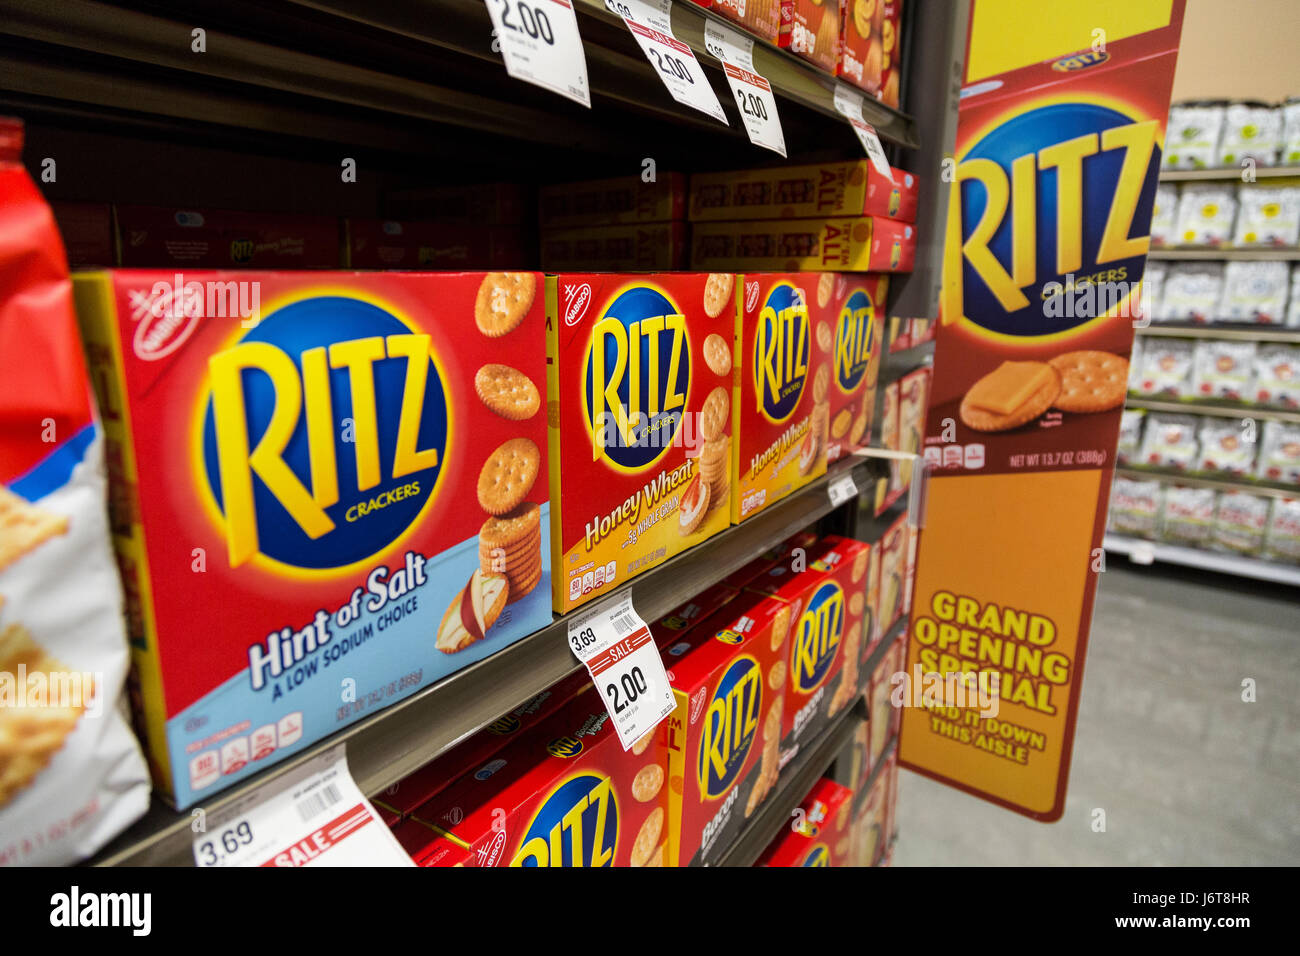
[1239,49]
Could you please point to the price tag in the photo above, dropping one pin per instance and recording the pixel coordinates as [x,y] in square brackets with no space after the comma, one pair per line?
[752,91]
[842,489]
[312,816]
[624,663]
[848,103]
[1142,553]
[541,45]
[651,23]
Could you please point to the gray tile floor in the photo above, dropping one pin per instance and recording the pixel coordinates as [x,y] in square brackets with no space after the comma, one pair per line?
[1187,773]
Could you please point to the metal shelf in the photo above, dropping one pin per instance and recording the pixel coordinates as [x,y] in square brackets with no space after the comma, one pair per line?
[1227,253]
[384,748]
[1227,172]
[1236,332]
[802,772]
[1141,551]
[1221,409]
[1168,476]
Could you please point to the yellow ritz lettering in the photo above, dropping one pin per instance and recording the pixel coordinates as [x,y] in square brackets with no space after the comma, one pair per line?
[663,394]
[1019,196]
[819,636]
[311,393]
[730,720]
[854,346]
[549,850]
[782,337]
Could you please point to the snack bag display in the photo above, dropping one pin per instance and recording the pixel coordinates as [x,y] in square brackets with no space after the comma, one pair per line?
[1191,292]
[1164,218]
[71,774]
[608,202]
[1277,375]
[1136,362]
[640,387]
[1253,292]
[853,311]
[1130,435]
[1166,368]
[1169,441]
[1135,507]
[567,794]
[1152,289]
[1223,369]
[1224,447]
[760,17]
[355,461]
[1268,215]
[1240,522]
[1251,131]
[782,393]
[819,834]
[812,191]
[1187,515]
[1192,135]
[1206,212]
[1279,453]
[640,247]
[153,237]
[1282,539]
[1290,152]
[811,29]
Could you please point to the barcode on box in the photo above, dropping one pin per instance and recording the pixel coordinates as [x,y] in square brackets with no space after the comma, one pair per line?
[624,625]
[319,802]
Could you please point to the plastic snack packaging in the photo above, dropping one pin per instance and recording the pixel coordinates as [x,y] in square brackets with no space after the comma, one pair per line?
[1163,219]
[1165,369]
[1253,292]
[1240,522]
[1191,292]
[1192,135]
[1169,441]
[1279,453]
[1206,212]
[71,774]
[1268,216]
[1130,435]
[1251,131]
[1282,539]
[1224,447]
[1223,369]
[1135,507]
[1188,515]
[1277,375]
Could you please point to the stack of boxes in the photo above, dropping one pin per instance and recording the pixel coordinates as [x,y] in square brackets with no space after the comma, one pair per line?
[625,224]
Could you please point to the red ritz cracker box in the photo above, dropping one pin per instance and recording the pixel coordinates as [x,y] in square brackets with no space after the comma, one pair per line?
[815,190]
[841,244]
[913,398]
[640,396]
[760,17]
[153,237]
[674,625]
[870,823]
[882,724]
[890,38]
[861,59]
[827,608]
[811,29]
[327,476]
[723,740]
[389,244]
[565,795]
[820,835]
[893,571]
[608,202]
[427,847]
[632,247]
[782,394]
[854,309]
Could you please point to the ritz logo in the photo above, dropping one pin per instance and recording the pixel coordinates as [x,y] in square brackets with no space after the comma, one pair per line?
[854,334]
[241,251]
[819,855]
[566,747]
[781,343]
[291,483]
[1061,190]
[504,726]
[638,374]
[577,825]
[1080,61]
[730,724]
[817,637]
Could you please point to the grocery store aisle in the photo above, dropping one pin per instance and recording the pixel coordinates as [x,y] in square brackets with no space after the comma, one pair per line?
[1187,773]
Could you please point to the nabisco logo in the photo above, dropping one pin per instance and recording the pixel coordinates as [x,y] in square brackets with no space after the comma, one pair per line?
[167,315]
[697,704]
[489,854]
[576,300]
[751,296]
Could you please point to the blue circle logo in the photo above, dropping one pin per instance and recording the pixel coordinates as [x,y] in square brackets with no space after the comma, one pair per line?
[557,827]
[729,726]
[781,352]
[854,331]
[817,638]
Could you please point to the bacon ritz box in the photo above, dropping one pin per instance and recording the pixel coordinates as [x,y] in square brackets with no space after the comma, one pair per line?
[327,491]
[640,422]
[819,835]
[852,188]
[855,310]
[782,394]
[565,795]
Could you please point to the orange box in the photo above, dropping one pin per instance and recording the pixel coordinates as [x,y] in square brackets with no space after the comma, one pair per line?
[567,794]
[631,247]
[781,408]
[815,190]
[640,371]
[854,309]
[760,17]
[837,244]
[811,29]
[608,202]
[818,836]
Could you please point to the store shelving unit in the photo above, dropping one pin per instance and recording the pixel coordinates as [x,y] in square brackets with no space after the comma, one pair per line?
[1141,551]
[1208,407]
[1226,254]
[1227,172]
[1237,332]
[1170,476]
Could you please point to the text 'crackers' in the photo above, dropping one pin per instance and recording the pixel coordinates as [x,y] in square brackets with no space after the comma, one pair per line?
[641,422]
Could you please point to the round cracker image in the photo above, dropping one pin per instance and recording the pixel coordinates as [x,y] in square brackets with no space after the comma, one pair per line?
[1039,401]
[647,783]
[1090,381]
[503,300]
[647,838]
[717,354]
[717,293]
[640,746]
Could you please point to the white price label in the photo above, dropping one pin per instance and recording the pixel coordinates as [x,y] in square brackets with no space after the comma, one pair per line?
[312,816]
[650,21]
[842,489]
[848,103]
[624,663]
[541,45]
[752,91]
